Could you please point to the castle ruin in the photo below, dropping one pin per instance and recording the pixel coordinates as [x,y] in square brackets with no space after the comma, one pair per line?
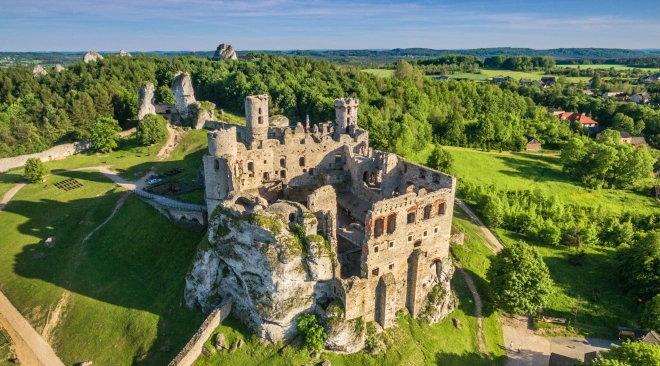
[386,221]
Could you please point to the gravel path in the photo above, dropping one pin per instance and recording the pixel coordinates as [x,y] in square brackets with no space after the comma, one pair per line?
[478,305]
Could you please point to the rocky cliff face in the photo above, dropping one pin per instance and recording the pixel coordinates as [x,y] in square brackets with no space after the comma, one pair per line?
[58,68]
[269,261]
[124,53]
[92,56]
[203,111]
[146,100]
[38,71]
[225,51]
[183,93]
[440,300]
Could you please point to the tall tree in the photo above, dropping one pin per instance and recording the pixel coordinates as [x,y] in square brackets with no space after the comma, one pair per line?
[519,279]
[105,134]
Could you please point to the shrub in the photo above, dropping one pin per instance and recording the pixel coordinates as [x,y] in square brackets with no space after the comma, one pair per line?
[35,170]
[311,329]
[151,129]
[105,134]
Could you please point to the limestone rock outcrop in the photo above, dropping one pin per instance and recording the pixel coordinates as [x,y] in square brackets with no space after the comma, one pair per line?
[146,100]
[441,300]
[124,53]
[346,336]
[203,111]
[183,93]
[223,52]
[92,56]
[259,259]
[58,68]
[38,71]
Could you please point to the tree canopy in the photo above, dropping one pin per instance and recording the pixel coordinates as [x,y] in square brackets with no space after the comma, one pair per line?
[519,279]
[638,267]
[629,354]
[151,129]
[105,134]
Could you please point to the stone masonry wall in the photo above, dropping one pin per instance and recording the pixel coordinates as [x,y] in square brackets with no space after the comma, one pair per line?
[193,348]
[54,153]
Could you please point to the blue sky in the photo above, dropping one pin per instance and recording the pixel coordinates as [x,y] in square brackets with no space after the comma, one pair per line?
[147,25]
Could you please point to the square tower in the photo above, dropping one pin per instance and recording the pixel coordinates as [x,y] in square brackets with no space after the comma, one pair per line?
[346,111]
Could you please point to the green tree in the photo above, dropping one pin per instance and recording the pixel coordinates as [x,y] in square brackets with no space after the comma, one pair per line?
[35,170]
[638,267]
[164,95]
[519,279]
[493,211]
[651,314]
[151,129]
[105,134]
[441,160]
[404,70]
[312,330]
[621,122]
[629,354]
[550,234]
[82,114]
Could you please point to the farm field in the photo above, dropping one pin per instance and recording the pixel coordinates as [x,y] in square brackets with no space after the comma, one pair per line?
[484,75]
[383,73]
[607,67]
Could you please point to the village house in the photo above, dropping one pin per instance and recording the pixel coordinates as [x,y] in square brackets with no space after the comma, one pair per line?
[639,141]
[442,78]
[526,81]
[532,144]
[548,80]
[589,93]
[582,118]
[617,95]
[640,98]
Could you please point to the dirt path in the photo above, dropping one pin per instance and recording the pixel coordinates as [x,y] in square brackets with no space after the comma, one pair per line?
[54,316]
[478,305]
[495,245]
[30,347]
[10,194]
[172,141]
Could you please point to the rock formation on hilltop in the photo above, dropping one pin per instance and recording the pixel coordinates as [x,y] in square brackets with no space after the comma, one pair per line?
[38,71]
[58,68]
[146,100]
[124,53]
[92,56]
[203,111]
[225,51]
[183,93]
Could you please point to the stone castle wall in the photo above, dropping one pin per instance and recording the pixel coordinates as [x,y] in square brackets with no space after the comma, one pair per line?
[54,153]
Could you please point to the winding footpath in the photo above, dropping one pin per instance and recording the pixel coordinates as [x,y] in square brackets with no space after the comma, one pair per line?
[31,347]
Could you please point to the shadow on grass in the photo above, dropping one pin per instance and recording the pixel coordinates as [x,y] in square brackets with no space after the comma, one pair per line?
[542,170]
[138,260]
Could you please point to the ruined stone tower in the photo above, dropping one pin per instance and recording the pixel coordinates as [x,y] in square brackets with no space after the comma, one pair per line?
[346,112]
[256,119]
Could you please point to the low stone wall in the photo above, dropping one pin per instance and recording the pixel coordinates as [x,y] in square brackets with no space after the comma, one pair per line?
[54,153]
[193,349]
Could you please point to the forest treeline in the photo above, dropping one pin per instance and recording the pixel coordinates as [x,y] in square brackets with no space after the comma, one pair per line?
[519,63]
[649,61]
[403,115]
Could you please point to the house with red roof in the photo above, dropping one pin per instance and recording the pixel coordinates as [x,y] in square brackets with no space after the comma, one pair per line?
[582,118]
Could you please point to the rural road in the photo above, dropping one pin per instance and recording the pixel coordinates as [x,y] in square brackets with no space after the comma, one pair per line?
[535,349]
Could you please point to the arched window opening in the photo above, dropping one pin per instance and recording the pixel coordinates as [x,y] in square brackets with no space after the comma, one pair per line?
[417,244]
[365,177]
[260,120]
[411,217]
[250,166]
[427,212]
[378,227]
[391,223]
[301,161]
[442,208]
[283,162]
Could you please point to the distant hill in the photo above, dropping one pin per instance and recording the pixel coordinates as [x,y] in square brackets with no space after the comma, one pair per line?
[354,56]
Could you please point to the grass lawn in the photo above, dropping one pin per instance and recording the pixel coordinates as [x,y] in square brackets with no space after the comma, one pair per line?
[539,171]
[383,73]
[9,179]
[6,354]
[410,343]
[131,159]
[126,283]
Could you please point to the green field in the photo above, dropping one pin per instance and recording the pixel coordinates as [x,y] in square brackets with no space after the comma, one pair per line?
[125,283]
[607,67]
[383,73]
[540,171]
